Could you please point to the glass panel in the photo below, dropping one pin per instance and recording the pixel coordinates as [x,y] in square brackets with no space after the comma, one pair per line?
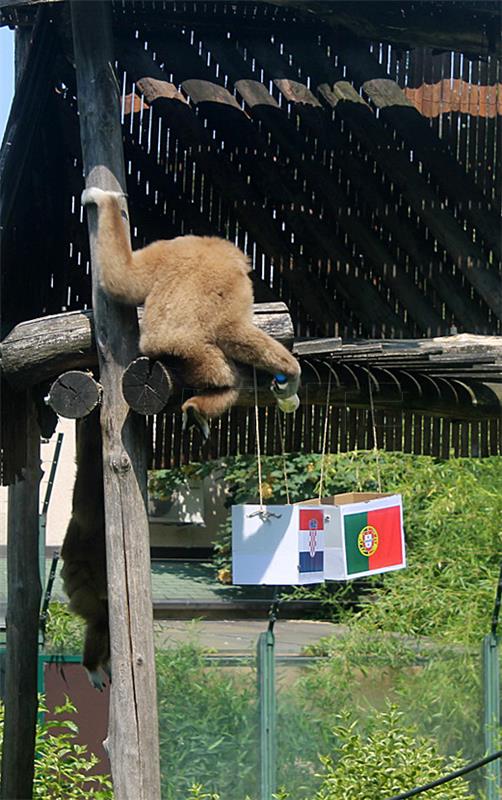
[208,708]
[437,689]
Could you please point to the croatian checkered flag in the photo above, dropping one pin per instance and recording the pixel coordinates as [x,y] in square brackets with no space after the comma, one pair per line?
[311,540]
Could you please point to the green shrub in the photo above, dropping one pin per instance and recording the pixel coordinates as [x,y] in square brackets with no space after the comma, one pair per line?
[391,758]
[437,686]
[207,724]
[451,513]
[62,766]
[64,633]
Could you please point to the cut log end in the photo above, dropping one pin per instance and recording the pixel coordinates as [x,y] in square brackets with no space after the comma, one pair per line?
[74,394]
[147,386]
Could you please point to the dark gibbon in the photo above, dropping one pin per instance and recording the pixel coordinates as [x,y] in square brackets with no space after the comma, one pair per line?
[83,551]
[198,298]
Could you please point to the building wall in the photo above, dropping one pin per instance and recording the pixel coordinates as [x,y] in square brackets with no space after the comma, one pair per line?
[208,501]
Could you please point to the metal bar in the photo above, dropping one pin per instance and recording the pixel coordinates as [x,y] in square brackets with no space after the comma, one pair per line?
[52,473]
[266,686]
[491,726]
[42,522]
[47,593]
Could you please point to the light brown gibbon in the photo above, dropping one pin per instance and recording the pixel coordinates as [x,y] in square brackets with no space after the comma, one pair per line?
[83,551]
[198,298]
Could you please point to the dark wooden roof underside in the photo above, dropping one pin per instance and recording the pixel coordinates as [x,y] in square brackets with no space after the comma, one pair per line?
[369,219]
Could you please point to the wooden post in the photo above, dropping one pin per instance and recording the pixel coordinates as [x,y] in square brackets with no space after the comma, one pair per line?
[23,609]
[133,732]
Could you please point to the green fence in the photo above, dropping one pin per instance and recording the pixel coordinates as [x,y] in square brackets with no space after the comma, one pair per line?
[246,724]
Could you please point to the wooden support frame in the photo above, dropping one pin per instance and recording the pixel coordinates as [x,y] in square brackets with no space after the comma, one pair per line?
[40,349]
[24,594]
[133,733]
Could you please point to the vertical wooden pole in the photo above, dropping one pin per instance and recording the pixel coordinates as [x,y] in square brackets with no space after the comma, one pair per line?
[133,732]
[23,611]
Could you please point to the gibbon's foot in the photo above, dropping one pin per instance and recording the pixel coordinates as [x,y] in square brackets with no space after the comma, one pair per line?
[96,679]
[192,416]
[95,195]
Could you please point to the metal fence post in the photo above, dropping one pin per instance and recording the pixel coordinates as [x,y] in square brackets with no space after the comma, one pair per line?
[491,705]
[42,520]
[266,687]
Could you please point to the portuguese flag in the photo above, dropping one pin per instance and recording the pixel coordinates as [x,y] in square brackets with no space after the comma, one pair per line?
[373,539]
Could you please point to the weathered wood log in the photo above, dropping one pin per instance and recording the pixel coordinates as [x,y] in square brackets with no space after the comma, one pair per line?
[40,349]
[133,731]
[437,395]
[147,386]
[470,27]
[74,394]
[23,606]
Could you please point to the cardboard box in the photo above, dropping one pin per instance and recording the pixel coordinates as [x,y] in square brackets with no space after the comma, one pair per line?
[342,499]
[358,534]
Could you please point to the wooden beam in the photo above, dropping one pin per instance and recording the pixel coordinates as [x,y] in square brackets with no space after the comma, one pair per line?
[24,594]
[467,26]
[41,349]
[133,733]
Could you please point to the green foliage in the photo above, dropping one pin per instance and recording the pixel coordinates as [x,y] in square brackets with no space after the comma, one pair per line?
[62,766]
[389,759]
[197,792]
[436,686]
[64,632]
[207,721]
[452,523]
[451,512]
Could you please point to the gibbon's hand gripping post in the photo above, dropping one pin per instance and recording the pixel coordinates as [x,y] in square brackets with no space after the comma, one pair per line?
[133,731]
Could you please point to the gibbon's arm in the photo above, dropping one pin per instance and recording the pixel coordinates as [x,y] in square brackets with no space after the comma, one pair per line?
[124,275]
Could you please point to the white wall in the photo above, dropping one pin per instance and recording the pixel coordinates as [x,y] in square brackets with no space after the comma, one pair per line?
[59,513]
[161,535]
[60,504]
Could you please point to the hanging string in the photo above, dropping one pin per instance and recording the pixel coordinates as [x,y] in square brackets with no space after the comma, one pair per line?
[281,439]
[324,438]
[373,424]
[257,431]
